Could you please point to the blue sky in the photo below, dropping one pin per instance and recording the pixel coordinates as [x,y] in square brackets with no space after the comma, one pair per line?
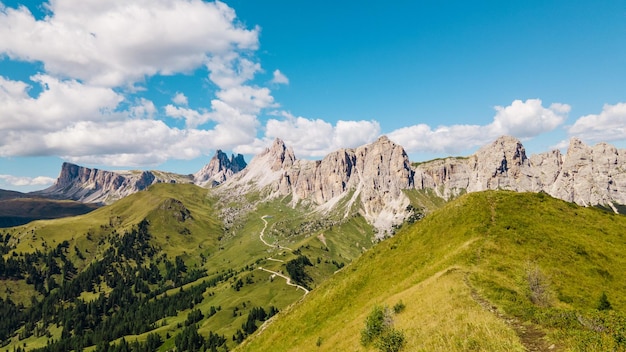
[162,84]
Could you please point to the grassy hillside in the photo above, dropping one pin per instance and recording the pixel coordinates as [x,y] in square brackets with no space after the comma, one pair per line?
[493,271]
[159,265]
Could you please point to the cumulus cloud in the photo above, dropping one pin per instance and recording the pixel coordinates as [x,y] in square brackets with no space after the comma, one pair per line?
[113,43]
[143,109]
[60,102]
[88,107]
[180,99]
[529,118]
[314,137]
[193,118]
[247,99]
[280,78]
[608,125]
[236,107]
[22,181]
[522,119]
[231,70]
[139,143]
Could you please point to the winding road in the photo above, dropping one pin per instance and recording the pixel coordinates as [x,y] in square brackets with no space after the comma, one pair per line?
[287,278]
[265,242]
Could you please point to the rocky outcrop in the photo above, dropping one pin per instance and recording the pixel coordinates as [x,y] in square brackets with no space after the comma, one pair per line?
[373,175]
[219,169]
[372,178]
[104,187]
[268,167]
[99,186]
[502,164]
[585,175]
[591,175]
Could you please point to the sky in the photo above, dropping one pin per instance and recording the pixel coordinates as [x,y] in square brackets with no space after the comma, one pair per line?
[163,84]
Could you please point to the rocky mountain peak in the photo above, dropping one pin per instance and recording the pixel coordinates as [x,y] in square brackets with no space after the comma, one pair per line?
[373,175]
[219,169]
[504,153]
[72,173]
[280,156]
[585,175]
[237,163]
[266,167]
[591,175]
[69,172]
[575,145]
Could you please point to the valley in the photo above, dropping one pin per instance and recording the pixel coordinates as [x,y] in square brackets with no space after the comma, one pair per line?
[70,263]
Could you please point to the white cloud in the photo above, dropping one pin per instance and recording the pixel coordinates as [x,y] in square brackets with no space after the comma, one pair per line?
[247,99]
[231,70]
[180,99]
[118,42]
[126,143]
[94,55]
[193,118]
[608,125]
[280,78]
[22,181]
[314,137]
[237,107]
[60,103]
[529,118]
[143,109]
[352,134]
[520,119]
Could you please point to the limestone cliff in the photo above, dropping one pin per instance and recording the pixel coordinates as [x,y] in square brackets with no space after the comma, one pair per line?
[100,186]
[372,178]
[584,175]
[373,175]
[590,175]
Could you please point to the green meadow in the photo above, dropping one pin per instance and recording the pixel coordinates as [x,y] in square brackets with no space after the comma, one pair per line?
[490,271]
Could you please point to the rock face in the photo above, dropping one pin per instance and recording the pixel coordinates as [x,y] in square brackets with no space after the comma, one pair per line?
[373,175]
[100,186]
[372,178]
[502,164]
[585,175]
[104,187]
[591,175]
[219,169]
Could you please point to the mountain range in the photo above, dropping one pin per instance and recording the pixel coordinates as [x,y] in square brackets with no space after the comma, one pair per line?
[378,178]
[286,254]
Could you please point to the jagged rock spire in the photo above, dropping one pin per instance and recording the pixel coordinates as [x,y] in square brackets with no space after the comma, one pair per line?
[219,169]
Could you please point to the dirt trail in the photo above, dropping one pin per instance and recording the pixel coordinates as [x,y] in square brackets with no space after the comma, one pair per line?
[265,242]
[288,279]
[532,338]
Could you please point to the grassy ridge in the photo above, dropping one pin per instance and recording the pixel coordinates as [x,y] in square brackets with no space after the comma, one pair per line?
[480,250]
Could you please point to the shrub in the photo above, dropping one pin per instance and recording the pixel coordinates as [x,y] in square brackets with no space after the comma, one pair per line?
[538,285]
[391,340]
[398,307]
[375,323]
[380,331]
[603,302]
